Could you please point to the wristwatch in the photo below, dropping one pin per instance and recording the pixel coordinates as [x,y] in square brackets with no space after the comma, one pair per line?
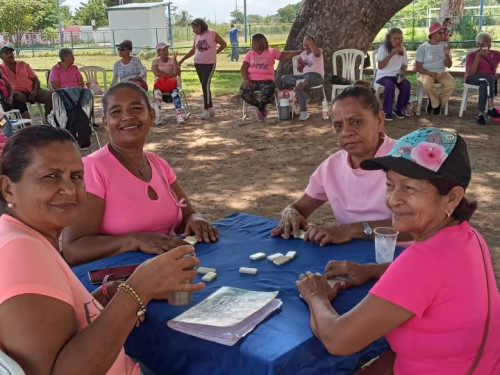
[368,230]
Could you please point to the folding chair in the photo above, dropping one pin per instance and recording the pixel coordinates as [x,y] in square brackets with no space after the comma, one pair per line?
[166,97]
[40,113]
[348,59]
[62,118]
[18,122]
[295,64]
[8,366]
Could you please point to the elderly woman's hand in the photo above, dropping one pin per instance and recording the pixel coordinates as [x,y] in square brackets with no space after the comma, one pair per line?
[326,235]
[156,243]
[204,231]
[165,273]
[315,286]
[291,223]
[357,273]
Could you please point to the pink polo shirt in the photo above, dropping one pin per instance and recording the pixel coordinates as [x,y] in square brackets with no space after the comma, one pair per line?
[354,194]
[66,77]
[21,79]
[261,66]
[29,264]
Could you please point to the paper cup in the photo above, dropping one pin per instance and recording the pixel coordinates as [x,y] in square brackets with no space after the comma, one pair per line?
[385,244]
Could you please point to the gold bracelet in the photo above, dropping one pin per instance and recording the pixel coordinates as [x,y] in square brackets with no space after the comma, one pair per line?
[141,313]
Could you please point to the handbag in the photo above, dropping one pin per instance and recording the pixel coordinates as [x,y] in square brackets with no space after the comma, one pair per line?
[384,363]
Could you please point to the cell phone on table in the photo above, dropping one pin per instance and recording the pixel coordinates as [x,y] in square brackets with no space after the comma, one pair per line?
[119,273]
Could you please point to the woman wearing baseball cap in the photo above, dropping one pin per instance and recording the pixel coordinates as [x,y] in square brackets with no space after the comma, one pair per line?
[437,303]
[431,61]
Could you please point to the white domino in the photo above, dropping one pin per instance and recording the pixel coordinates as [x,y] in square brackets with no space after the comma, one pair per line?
[206,270]
[291,254]
[191,240]
[274,256]
[251,271]
[257,256]
[302,234]
[281,260]
[209,277]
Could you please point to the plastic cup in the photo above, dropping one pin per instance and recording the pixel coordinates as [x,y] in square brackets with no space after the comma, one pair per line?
[180,298]
[385,244]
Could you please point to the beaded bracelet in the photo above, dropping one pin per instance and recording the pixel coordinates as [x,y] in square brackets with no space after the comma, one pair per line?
[141,313]
[104,286]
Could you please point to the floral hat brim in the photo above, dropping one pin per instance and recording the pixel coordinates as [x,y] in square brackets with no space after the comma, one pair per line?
[426,154]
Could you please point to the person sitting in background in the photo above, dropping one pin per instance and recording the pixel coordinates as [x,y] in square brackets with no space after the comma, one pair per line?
[49,322]
[129,68]
[480,70]
[25,83]
[431,304]
[391,69]
[431,61]
[355,196]
[311,65]
[166,71]
[65,73]
[7,99]
[134,201]
[257,71]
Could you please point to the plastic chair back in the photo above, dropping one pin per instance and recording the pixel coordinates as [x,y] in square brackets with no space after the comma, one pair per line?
[92,76]
[348,59]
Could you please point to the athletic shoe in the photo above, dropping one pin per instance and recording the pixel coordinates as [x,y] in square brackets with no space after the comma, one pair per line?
[398,114]
[388,117]
[492,113]
[211,111]
[300,84]
[260,115]
[303,116]
[180,119]
[480,120]
[437,111]
[429,108]
[205,115]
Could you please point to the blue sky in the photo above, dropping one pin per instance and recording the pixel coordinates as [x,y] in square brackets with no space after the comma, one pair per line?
[218,10]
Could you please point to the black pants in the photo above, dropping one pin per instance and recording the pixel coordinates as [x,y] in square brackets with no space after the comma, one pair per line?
[205,72]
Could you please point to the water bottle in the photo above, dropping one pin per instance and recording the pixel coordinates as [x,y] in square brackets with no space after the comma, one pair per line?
[180,298]
[284,109]
[325,110]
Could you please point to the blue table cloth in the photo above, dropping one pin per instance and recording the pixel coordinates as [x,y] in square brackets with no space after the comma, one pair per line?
[282,344]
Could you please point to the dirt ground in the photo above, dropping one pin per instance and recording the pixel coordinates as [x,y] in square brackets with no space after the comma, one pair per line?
[226,165]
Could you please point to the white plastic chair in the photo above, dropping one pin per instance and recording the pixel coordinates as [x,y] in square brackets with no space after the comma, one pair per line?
[92,76]
[8,366]
[421,94]
[379,89]
[348,59]
[39,116]
[465,94]
[295,64]
[18,122]
[62,118]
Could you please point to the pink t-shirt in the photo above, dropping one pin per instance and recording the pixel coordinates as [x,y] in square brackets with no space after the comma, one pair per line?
[442,281]
[30,264]
[66,77]
[262,66]
[483,67]
[354,194]
[205,48]
[127,205]
[313,64]
[21,80]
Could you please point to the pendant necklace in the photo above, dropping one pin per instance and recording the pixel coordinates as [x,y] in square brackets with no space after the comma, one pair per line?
[139,167]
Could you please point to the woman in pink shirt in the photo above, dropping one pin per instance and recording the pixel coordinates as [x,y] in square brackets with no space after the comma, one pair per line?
[257,71]
[65,73]
[49,322]
[205,52]
[437,304]
[134,201]
[356,196]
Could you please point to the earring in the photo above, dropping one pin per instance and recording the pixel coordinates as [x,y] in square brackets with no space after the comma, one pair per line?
[448,214]
[10,205]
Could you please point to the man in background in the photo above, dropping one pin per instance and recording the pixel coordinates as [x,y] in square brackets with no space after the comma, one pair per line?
[233,39]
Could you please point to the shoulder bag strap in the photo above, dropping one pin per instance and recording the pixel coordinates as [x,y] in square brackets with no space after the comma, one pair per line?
[487,324]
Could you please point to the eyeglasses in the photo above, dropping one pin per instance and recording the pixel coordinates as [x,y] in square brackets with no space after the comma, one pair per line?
[440,33]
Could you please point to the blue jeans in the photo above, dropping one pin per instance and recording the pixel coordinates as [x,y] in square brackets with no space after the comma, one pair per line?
[313,79]
[235,51]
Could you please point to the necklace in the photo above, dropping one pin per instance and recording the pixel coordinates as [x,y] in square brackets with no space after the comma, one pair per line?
[139,167]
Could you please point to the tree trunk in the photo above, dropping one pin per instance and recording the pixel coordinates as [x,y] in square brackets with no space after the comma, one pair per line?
[339,24]
[453,9]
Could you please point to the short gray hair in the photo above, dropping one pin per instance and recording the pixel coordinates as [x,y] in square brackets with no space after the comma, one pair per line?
[65,52]
[481,36]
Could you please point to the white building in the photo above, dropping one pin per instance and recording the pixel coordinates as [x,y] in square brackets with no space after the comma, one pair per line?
[145,24]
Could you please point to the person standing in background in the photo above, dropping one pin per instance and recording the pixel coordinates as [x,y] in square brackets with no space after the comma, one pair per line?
[233,39]
[446,31]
